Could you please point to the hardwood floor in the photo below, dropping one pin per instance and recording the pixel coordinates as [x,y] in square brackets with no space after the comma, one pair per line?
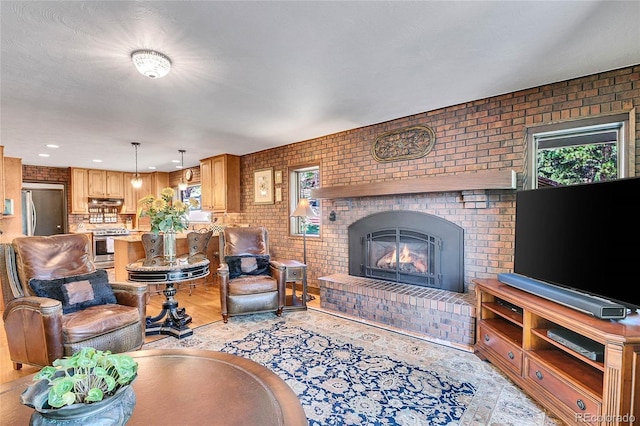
[203,305]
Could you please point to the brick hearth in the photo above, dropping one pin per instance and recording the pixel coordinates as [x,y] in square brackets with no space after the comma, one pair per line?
[436,315]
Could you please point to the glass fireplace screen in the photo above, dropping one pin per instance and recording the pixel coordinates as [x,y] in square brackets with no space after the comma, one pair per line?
[403,256]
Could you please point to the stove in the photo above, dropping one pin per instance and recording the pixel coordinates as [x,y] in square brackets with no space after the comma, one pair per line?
[110,231]
[103,246]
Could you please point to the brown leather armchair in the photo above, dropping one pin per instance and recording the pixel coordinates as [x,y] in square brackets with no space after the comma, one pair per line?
[250,281]
[42,329]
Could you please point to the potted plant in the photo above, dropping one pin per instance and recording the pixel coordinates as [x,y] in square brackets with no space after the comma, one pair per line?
[88,384]
[167,216]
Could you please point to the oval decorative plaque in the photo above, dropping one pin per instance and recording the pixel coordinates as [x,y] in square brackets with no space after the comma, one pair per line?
[403,144]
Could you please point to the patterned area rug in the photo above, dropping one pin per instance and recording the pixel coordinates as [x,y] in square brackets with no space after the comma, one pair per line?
[349,373]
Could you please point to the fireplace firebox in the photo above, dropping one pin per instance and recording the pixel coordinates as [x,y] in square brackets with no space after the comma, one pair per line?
[408,247]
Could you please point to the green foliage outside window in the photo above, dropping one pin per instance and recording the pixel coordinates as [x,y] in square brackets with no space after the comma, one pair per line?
[308,180]
[579,164]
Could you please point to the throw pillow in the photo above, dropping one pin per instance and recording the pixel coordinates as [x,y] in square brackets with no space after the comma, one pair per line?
[248,265]
[48,288]
[77,292]
[81,291]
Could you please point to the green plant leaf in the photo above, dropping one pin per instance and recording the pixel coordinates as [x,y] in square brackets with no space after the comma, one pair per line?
[94,395]
[111,383]
[55,400]
[62,385]
[46,373]
[100,372]
[69,398]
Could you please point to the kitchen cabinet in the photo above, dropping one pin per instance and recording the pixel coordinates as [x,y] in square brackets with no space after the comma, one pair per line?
[220,183]
[131,195]
[515,332]
[105,184]
[79,191]
[156,183]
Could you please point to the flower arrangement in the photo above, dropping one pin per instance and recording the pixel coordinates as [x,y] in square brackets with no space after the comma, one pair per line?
[87,376]
[165,212]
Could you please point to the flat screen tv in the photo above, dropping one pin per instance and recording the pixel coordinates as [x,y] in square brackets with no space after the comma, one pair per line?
[583,237]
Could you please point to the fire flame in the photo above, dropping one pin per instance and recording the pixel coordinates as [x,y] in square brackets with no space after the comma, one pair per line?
[406,257]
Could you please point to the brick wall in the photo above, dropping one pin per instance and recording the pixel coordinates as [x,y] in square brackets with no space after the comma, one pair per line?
[486,134]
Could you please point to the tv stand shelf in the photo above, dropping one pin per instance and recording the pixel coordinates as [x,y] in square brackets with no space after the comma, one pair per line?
[512,328]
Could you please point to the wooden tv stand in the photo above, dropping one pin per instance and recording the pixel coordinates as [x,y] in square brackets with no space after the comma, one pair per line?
[577,389]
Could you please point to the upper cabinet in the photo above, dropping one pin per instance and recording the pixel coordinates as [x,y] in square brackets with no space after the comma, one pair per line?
[220,183]
[104,183]
[79,191]
[131,195]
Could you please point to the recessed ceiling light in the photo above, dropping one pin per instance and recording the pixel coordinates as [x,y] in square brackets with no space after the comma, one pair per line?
[43,155]
[97,161]
[152,167]
[178,167]
[51,145]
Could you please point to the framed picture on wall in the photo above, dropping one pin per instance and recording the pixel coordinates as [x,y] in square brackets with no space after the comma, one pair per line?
[278,177]
[263,186]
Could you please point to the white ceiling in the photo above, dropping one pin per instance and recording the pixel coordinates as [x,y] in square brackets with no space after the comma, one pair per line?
[249,76]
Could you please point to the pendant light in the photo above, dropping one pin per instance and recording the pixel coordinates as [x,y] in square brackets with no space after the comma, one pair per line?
[136,181]
[182,185]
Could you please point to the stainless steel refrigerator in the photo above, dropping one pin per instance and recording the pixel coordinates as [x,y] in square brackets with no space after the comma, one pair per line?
[44,209]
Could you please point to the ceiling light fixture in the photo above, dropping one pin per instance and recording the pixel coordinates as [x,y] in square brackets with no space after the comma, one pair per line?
[136,181]
[151,63]
[182,185]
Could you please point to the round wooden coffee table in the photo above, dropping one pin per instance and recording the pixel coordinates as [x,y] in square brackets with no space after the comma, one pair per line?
[191,387]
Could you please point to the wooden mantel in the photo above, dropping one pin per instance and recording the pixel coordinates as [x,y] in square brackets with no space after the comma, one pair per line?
[493,179]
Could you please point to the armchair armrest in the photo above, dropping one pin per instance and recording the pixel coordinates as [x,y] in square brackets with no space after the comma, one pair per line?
[131,294]
[279,272]
[43,318]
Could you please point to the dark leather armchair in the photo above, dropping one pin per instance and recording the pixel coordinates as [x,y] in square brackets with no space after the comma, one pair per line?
[250,281]
[88,309]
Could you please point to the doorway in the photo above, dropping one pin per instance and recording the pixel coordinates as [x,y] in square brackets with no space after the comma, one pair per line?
[44,209]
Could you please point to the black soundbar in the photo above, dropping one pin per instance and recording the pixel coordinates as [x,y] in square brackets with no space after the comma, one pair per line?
[586,303]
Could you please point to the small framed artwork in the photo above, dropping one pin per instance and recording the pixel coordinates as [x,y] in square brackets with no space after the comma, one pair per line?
[8,207]
[278,177]
[278,194]
[263,186]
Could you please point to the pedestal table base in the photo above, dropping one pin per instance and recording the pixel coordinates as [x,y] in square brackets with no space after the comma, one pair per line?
[176,321]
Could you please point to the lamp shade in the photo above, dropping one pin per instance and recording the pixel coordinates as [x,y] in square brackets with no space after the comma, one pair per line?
[303,209]
[151,63]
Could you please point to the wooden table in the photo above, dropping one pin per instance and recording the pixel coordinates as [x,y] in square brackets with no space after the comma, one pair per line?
[296,272]
[191,387]
[176,321]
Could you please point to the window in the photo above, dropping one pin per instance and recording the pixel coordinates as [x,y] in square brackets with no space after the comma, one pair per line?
[581,151]
[302,181]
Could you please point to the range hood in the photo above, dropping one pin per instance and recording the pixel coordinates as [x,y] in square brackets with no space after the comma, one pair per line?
[105,202]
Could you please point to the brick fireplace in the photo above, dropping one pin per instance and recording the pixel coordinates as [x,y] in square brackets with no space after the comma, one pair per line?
[439,308]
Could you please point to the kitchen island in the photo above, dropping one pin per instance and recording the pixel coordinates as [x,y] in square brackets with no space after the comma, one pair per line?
[128,249]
